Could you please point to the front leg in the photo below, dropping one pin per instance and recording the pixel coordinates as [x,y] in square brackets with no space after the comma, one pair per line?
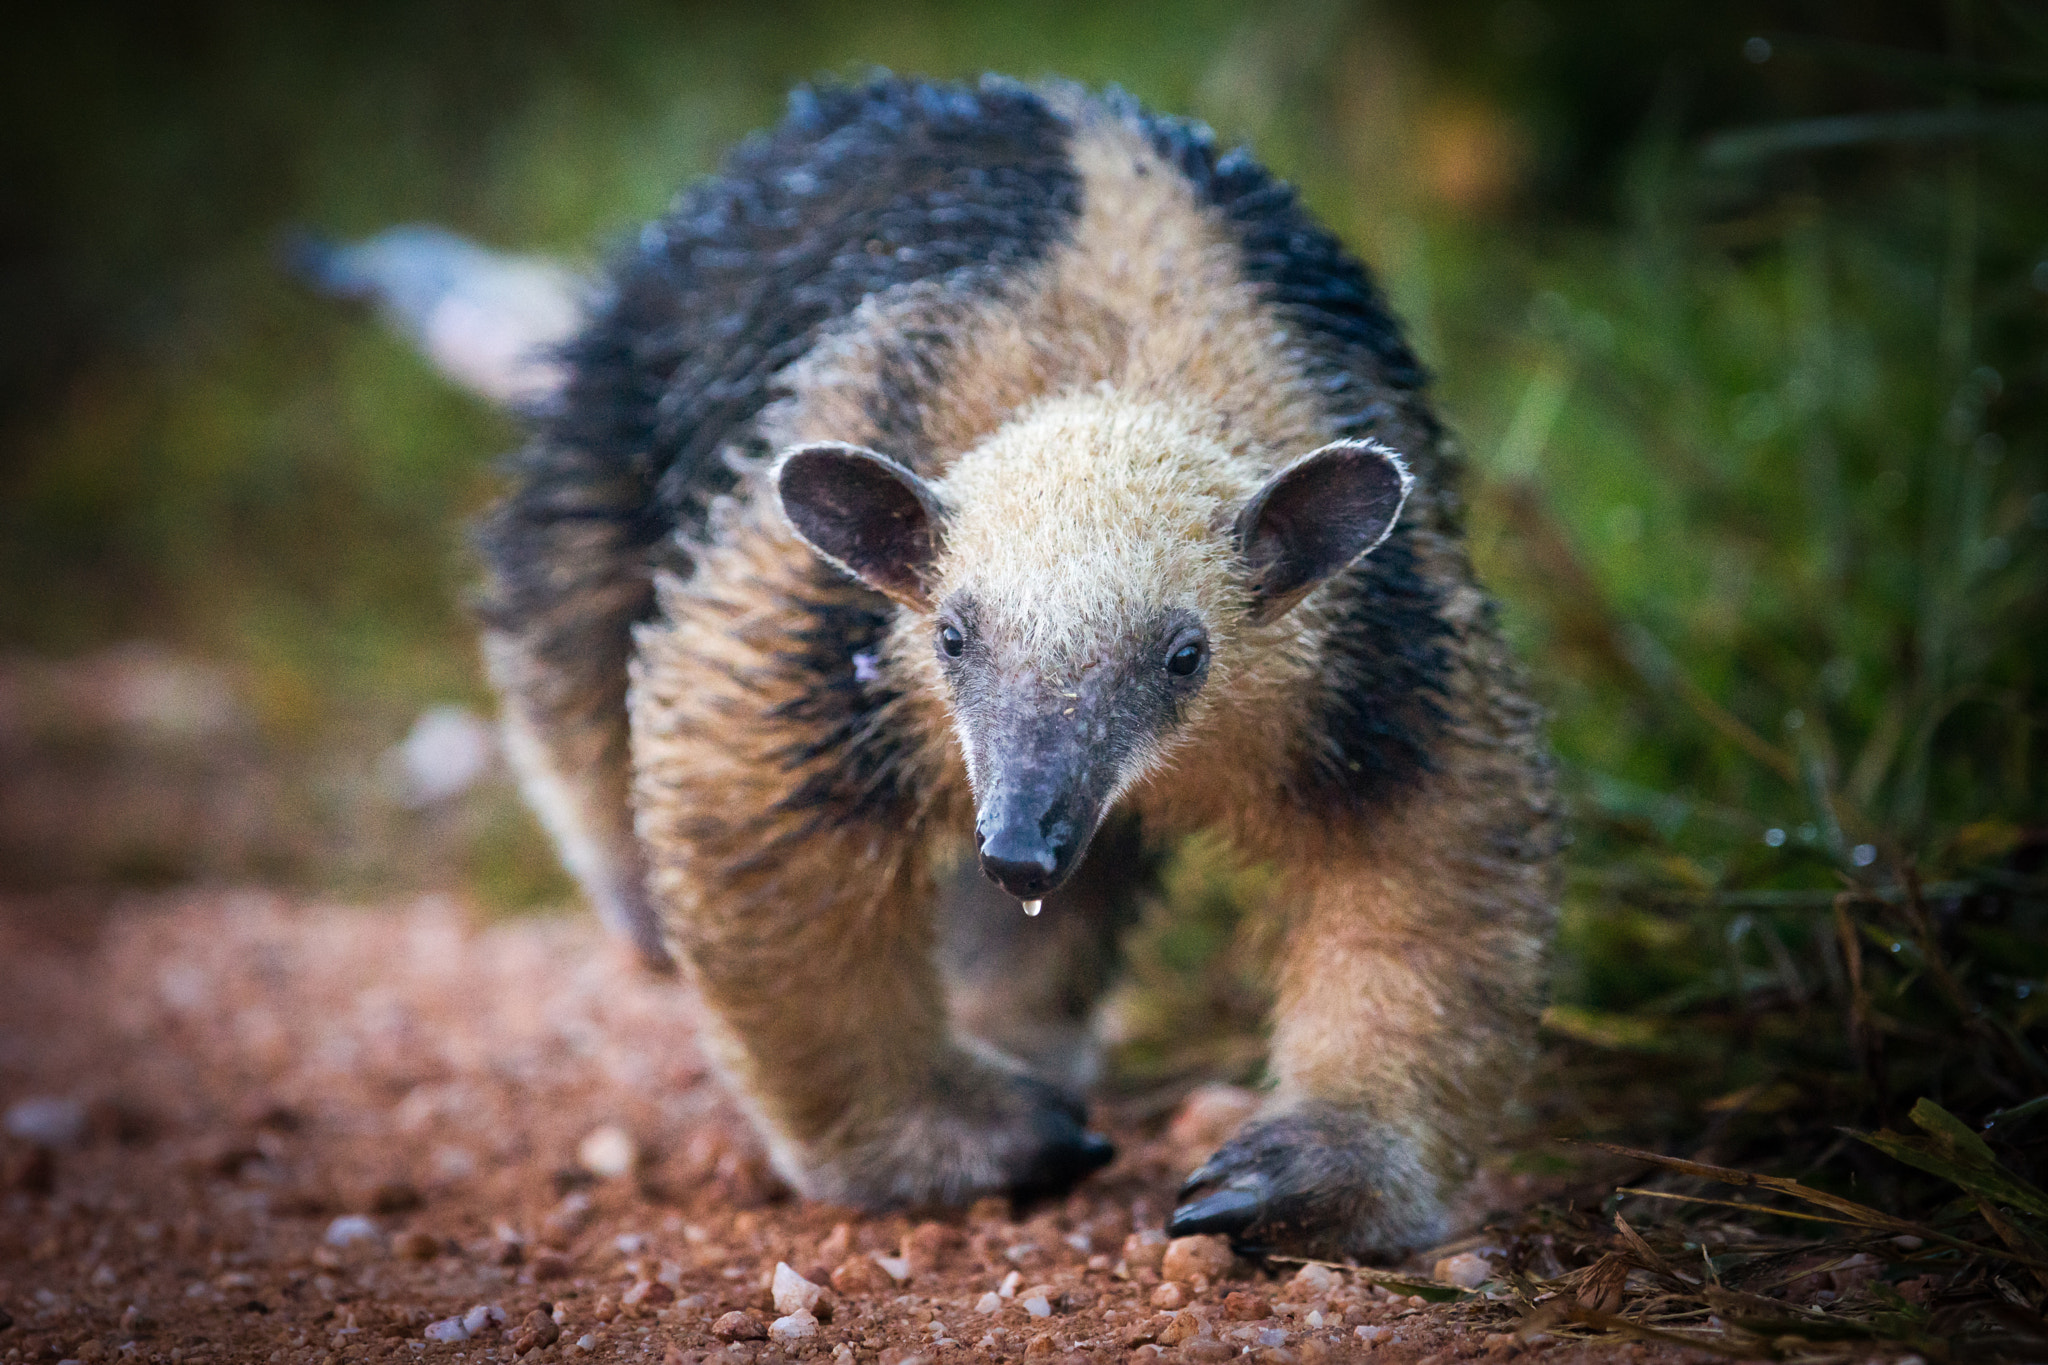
[786,800]
[1409,989]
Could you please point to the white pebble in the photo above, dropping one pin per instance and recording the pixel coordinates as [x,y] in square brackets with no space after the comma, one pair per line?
[447,1329]
[587,1342]
[1037,1307]
[630,1243]
[1466,1270]
[349,1229]
[989,1303]
[1008,1288]
[1314,1318]
[793,1293]
[482,1316]
[897,1266]
[608,1153]
[46,1120]
[1316,1281]
[795,1327]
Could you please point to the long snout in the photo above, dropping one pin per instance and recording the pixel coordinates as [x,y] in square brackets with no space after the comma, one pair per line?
[1046,777]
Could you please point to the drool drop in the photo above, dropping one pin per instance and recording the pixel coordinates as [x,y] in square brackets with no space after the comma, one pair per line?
[1033,907]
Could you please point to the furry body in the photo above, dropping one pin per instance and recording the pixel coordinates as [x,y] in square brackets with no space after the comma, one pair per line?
[1087,342]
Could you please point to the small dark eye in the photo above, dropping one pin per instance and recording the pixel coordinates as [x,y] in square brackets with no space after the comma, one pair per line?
[1183,662]
[952,641]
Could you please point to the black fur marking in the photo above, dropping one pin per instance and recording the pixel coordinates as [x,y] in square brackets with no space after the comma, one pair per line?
[1387,660]
[859,190]
[852,760]
[1385,664]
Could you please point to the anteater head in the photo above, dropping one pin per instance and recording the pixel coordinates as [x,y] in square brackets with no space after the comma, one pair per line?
[1085,588]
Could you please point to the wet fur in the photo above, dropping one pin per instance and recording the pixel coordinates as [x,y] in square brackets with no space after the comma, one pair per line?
[1100,325]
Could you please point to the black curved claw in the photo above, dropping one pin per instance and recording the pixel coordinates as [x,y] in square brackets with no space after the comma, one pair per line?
[1230,1210]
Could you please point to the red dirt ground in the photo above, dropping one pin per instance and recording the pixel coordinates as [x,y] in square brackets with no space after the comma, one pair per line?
[235,1072]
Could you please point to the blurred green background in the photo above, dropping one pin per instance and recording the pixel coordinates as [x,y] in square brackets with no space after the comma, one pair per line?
[1741,313]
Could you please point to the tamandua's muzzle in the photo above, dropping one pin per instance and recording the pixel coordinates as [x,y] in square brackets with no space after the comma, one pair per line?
[1046,779]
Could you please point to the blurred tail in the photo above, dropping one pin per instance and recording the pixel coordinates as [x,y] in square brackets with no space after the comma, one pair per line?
[493,323]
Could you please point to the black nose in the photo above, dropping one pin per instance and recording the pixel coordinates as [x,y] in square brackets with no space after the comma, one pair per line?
[1020,860]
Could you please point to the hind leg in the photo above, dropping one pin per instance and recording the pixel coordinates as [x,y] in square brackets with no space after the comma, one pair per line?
[562,594]
[1030,985]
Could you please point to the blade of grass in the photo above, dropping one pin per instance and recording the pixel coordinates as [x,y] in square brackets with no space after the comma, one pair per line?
[1852,1213]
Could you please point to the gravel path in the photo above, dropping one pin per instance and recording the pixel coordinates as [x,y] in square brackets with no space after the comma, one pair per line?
[246,1128]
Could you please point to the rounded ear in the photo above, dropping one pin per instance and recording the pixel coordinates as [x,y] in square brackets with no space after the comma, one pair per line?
[864,512]
[1315,518]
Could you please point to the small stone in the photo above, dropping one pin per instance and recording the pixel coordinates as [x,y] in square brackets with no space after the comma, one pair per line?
[587,1342]
[1143,1250]
[928,1245]
[796,1326]
[1240,1306]
[1183,1327]
[536,1330]
[860,1275]
[898,1267]
[483,1317]
[417,1245]
[1466,1270]
[990,1302]
[792,1292]
[549,1265]
[1187,1257]
[1501,1343]
[1170,1295]
[1316,1281]
[739,1325]
[47,1120]
[836,1245]
[608,1152]
[1144,1333]
[349,1229]
[1207,1349]
[1037,1306]
[447,1329]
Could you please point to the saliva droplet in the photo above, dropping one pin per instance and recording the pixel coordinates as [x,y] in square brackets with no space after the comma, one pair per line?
[1033,907]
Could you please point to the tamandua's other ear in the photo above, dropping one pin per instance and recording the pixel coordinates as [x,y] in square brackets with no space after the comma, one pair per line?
[864,512]
[1316,518]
